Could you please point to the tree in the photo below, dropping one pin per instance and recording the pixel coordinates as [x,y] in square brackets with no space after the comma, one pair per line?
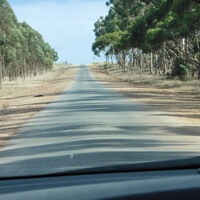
[22,49]
[160,31]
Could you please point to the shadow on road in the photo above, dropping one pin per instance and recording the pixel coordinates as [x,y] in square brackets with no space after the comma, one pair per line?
[91,126]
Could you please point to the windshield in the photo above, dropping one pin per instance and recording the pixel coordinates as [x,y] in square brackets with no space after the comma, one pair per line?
[87,84]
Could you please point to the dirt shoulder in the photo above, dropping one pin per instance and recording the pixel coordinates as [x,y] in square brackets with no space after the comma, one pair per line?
[177,99]
[20,100]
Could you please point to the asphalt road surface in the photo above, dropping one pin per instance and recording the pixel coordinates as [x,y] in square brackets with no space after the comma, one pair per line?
[89,125]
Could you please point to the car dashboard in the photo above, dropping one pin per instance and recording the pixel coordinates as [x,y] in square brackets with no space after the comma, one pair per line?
[169,184]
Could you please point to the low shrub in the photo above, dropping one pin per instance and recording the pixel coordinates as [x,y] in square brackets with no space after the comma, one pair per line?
[180,69]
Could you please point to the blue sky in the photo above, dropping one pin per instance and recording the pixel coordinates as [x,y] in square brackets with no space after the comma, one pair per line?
[67,25]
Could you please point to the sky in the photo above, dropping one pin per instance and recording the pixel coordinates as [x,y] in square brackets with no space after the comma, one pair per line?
[67,25]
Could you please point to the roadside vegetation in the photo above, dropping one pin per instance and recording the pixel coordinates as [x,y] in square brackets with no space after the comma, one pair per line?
[23,51]
[161,37]
[146,80]
[176,98]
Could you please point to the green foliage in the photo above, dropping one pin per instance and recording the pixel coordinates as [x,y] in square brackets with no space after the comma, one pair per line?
[105,66]
[180,69]
[3,39]
[22,49]
[137,31]
[109,40]
[154,36]
[163,29]
[163,20]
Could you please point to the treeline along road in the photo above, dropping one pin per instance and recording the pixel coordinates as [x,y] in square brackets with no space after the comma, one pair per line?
[163,36]
[23,51]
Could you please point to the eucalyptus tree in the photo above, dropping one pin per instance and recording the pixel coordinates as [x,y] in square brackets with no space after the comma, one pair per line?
[109,32]
[162,32]
[23,50]
[7,25]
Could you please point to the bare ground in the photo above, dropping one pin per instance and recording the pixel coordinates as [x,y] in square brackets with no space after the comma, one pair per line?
[21,99]
[18,101]
[176,98]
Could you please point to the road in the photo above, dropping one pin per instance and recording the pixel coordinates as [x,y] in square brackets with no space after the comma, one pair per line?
[89,125]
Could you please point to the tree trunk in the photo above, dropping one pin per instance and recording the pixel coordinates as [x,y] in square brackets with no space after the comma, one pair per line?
[151,64]
[199,72]
[1,68]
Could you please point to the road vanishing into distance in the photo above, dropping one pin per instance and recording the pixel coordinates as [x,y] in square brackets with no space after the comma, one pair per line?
[89,125]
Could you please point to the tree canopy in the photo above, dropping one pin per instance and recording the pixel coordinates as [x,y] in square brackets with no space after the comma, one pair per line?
[23,50]
[155,32]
